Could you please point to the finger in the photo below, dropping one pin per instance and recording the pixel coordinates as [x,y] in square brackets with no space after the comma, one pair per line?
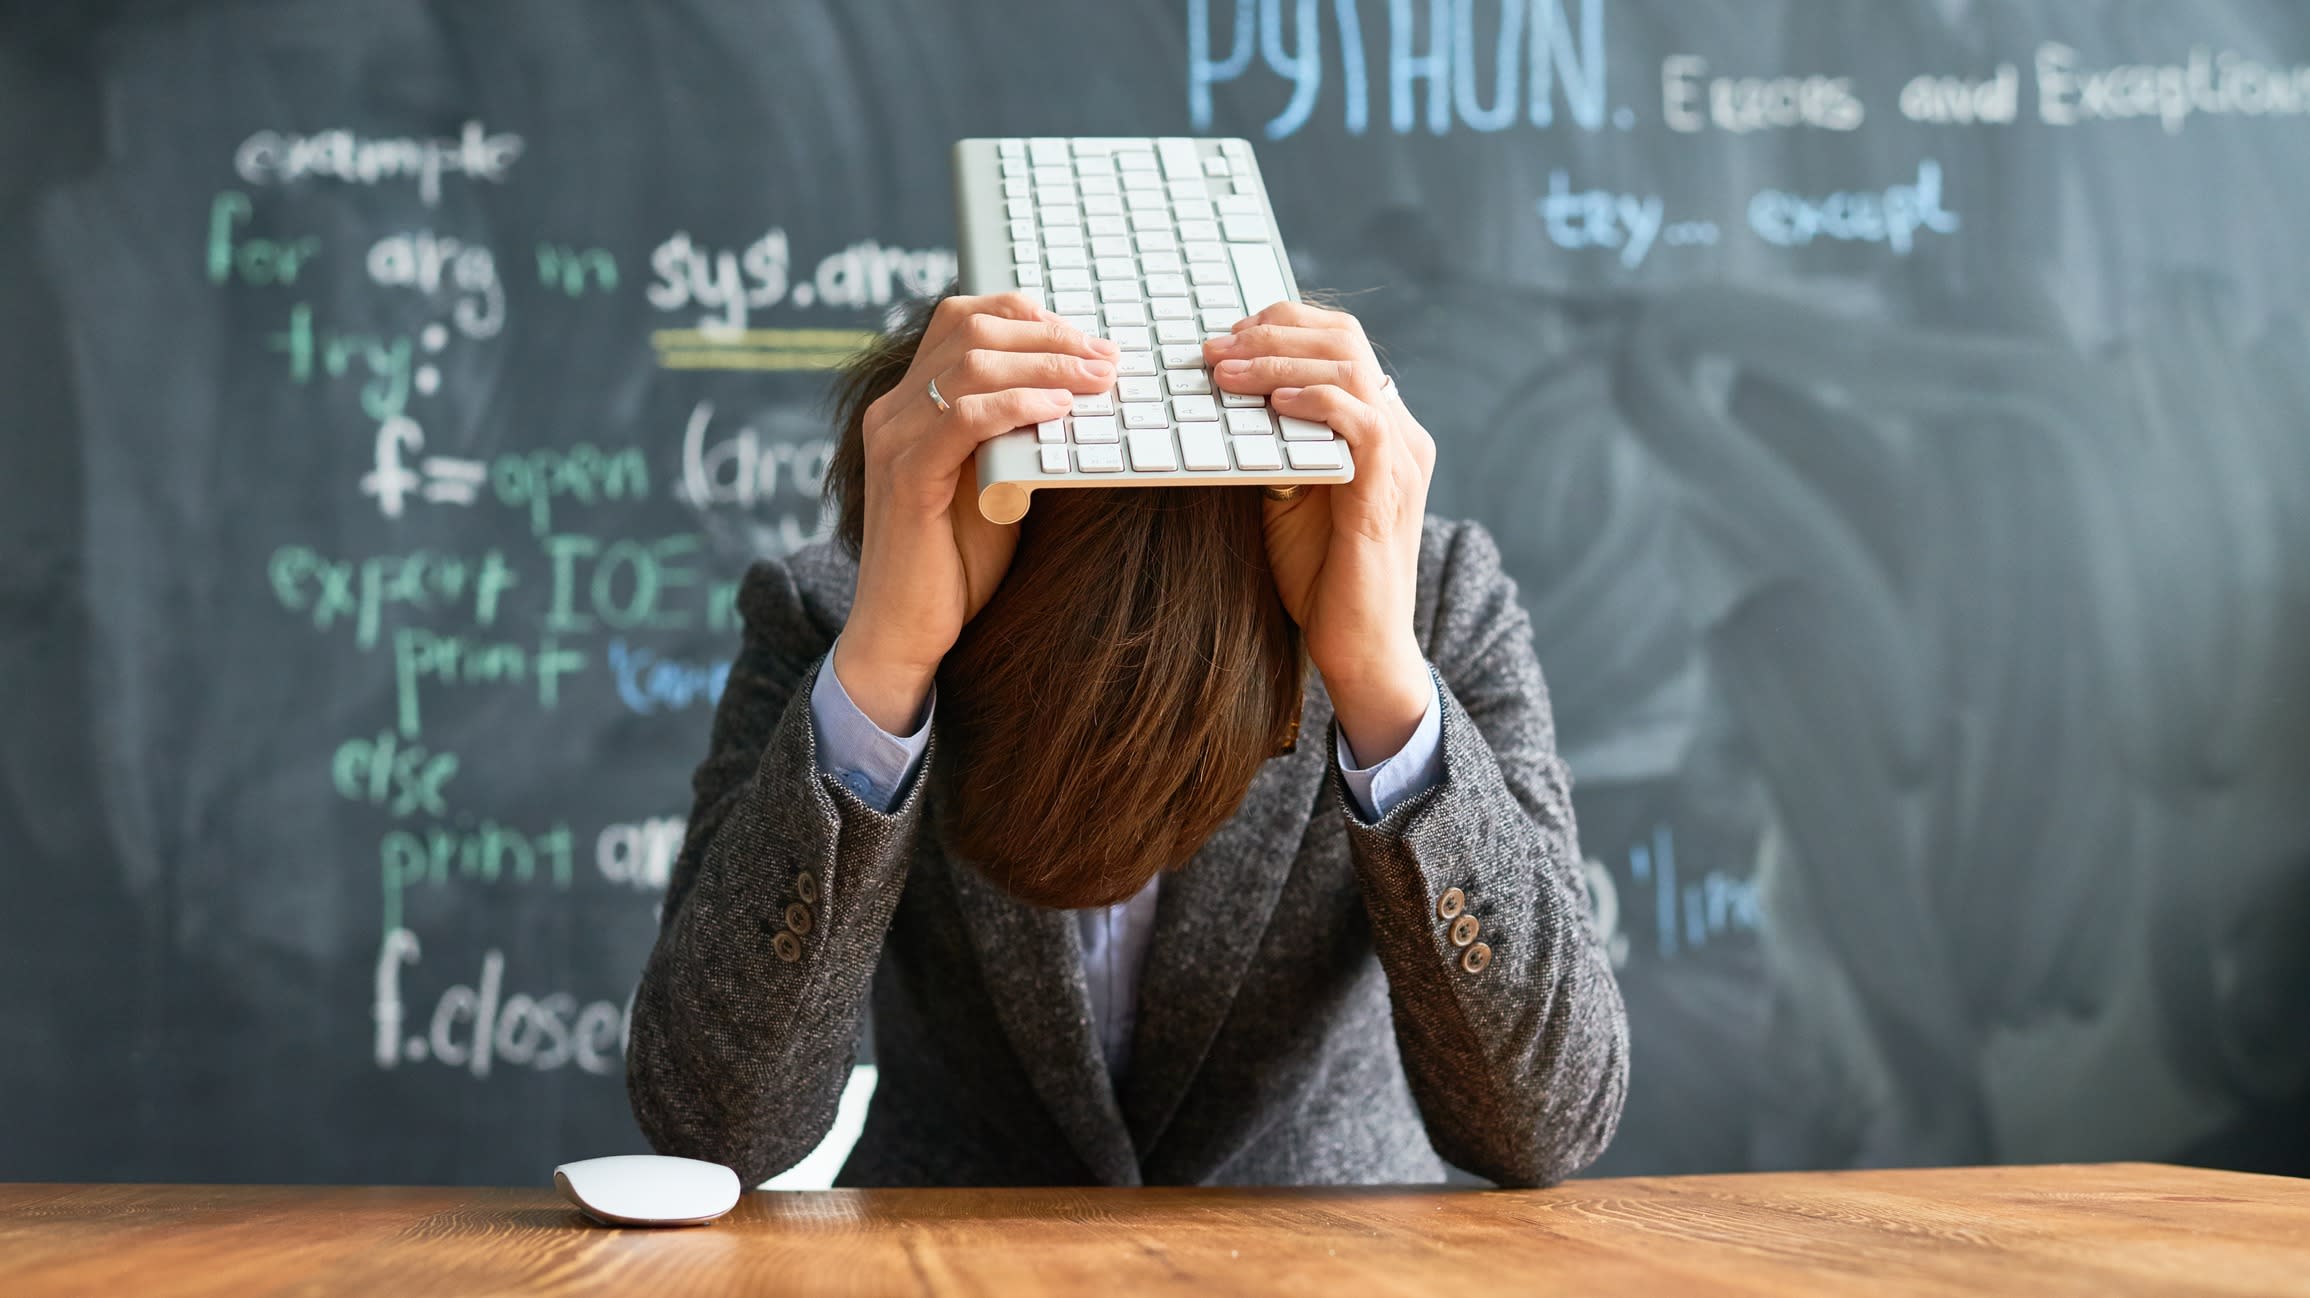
[1007,334]
[1267,373]
[1356,421]
[982,415]
[1303,315]
[983,369]
[1288,340]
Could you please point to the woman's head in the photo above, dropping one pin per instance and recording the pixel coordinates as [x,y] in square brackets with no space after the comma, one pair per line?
[1108,708]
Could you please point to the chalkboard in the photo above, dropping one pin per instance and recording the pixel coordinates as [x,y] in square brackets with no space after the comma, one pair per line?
[1897,415]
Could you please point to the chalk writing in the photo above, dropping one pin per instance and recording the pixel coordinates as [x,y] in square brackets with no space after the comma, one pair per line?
[403,778]
[489,853]
[742,470]
[284,158]
[1994,100]
[586,569]
[259,262]
[1531,50]
[1689,915]
[382,361]
[576,270]
[360,591]
[1893,216]
[424,261]
[1691,100]
[649,682]
[2224,84]
[422,657]
[639,855]
[475,1026]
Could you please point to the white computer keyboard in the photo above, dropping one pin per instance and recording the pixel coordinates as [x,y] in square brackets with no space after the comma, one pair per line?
[1156,244]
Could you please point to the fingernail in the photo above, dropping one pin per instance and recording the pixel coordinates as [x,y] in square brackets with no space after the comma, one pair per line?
[1099,369]
[1106,346]
[1235,369]
[1226,344]
[1283,394]
[1060,395]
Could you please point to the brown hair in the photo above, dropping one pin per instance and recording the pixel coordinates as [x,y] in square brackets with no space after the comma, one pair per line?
[1108,708]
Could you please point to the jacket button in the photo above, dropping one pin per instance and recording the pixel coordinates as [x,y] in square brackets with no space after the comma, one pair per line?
[1451,904]
[1475,958]
[798,918]
[788,946]
[806,887]
[1464,930]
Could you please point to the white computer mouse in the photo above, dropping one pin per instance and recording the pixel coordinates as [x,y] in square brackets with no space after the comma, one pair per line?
[648,1189]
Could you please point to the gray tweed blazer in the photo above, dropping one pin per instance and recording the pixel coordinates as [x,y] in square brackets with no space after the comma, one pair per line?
[1305,1014]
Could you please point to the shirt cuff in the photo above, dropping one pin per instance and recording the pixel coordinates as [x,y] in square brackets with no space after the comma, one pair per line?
[1415,768]
[869,760]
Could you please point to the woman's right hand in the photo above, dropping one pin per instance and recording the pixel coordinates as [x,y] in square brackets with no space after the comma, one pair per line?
[929,561]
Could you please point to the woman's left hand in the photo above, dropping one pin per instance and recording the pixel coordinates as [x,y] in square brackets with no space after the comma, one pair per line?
[1345,558]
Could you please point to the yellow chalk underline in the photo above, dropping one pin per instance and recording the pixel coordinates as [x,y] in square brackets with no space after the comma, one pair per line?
[734,359]
[813,338]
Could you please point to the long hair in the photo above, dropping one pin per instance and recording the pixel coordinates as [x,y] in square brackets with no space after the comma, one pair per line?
[1109,707]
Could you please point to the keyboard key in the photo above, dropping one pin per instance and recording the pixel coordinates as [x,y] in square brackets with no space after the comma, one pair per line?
[1236,205]
[1198,231]
[1097,403]
[1111,245]
[1179,189]
[1014,167]
[1303,430]
[1137,363]
[1211,272]
[1207,296]
[1256,453]
[1171,308]
[1054,430]
[1011,148]
[1161,263]
[1191,209]
[1072,277]
[1054,459]
[1180,158]
[1242,227]
[1215,165]
[1018,209]
[1135,160]
[1203,252]
[1148,209]
[1102,205]
[1187,383]
[1139,388]
[1144,414]
[1048,151]
[1156,241]
[1177,331]
[1054,178]
[1194,409]
[1180,357]
[1116,268]
[1119,290]
[1058,257]
[1151,450]
[1016,187]
[1247,422]
[1105,226]
[1127,313]
[1022,231]
[1166,286]
[1243,400]
[1028,276]
[1064,235]
[1130,337]
[1073,302]
[1057,215]
[1099,459]
[1090,185]
[1088,324]
[1201,448]
[1220,320]
[1259,274]
[1313,455]
[1094,428]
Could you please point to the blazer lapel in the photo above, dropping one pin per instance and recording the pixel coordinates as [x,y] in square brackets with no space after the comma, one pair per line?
[1209,918]
[1033,964]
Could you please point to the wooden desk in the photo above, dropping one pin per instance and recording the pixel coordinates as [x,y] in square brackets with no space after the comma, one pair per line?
[2098,1230]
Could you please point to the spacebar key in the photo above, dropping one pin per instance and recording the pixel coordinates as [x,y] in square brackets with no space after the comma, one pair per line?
[1257,274]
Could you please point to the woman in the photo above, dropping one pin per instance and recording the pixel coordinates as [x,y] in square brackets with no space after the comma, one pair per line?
[1132,926]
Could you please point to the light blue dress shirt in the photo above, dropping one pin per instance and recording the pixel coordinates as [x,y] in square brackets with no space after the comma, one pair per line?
[874,764]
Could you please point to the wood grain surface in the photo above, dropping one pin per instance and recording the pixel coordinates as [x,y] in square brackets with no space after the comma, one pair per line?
[2093,1229]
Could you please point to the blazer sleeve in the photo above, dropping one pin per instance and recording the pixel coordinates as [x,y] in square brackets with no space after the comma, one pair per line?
[1517,1056]
[746,1021]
